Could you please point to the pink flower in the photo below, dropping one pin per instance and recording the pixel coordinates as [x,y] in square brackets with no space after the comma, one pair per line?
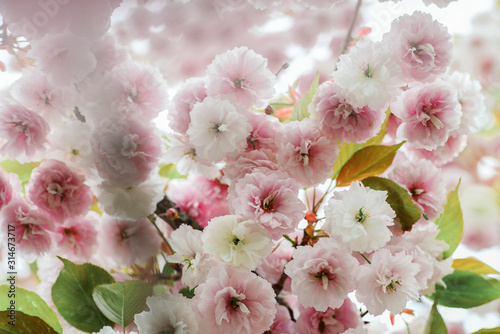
[429,114]
[201,198]
[131,89]
[179,114]
[218,128]
[234,302]
[35,92]
[241,76]
[125,151]
[445,153]
[422,180]
[271,267]
[282,323]
[59,191]
[269,198]
[331,321]
[10,187]
[30,229]
[128,241]
[64,57]
[388,282]
[264,130]
[422,46]
[77,238]
[22,132]
[322,275]
[338,120]
[306,154]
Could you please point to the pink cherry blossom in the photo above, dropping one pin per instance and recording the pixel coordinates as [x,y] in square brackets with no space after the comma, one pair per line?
[269,198]
[429,114]
[422,180]
[322,275]
[35,92]
[30,229]
[264,130]
[201,198]
[133,89]
[388,282]
[445,153]
[191,92]
[422,46]
[77,238]
[241,75]
[306,154]
[64,57]
[282,323]
[22,132]
[271,267]
[58,190]
[338,120]
[331,321]
[10,187]
[128,242]
[218,128]
[234,302]
[125,151]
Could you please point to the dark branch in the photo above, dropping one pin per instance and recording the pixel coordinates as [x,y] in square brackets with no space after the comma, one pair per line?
[177,219]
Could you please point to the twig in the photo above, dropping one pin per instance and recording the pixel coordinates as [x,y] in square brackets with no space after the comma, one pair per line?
[348,37]
[181,217]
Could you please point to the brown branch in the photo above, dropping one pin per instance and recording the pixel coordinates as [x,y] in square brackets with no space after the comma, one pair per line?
[177,219]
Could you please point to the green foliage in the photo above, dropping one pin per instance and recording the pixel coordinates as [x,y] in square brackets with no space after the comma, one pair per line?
[495,330]
[368,161]
[300,110]
[466,289]
[168,269]
[473,265]
[450,223]
[169,171]
[348,149]
[399,200]
[31,305]
[72,295]
[24,323]
[120,301]
[186,292]
[435,324]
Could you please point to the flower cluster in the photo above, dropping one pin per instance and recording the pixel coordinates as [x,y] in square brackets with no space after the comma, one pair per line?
[249,210]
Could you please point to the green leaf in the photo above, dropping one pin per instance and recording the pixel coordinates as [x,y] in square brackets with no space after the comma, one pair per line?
[169,171]
[300,110]
[398,198]
[24,323]
[473,265]
[379,137]
[495,330]
[23,171]
[369,161]
[435,324]
[186,292]
[120,301]
[31,304]
[72,295]
[168,269]
[465,289]
[450,223]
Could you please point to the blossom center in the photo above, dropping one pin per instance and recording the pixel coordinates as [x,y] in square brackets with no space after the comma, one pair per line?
[169,330]
[361,216]
[269,203]
[218,128]
[367,71]
[19,126]
[417,191]
[238,83]
[129,145]
[324,277]
[55,189]
[392,287]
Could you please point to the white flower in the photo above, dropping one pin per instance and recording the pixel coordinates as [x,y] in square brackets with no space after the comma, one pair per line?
[388,282]
[366,76]
[217,129]
[167,314]
[359,217]
[134,202]
[188,247]
[238,243]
